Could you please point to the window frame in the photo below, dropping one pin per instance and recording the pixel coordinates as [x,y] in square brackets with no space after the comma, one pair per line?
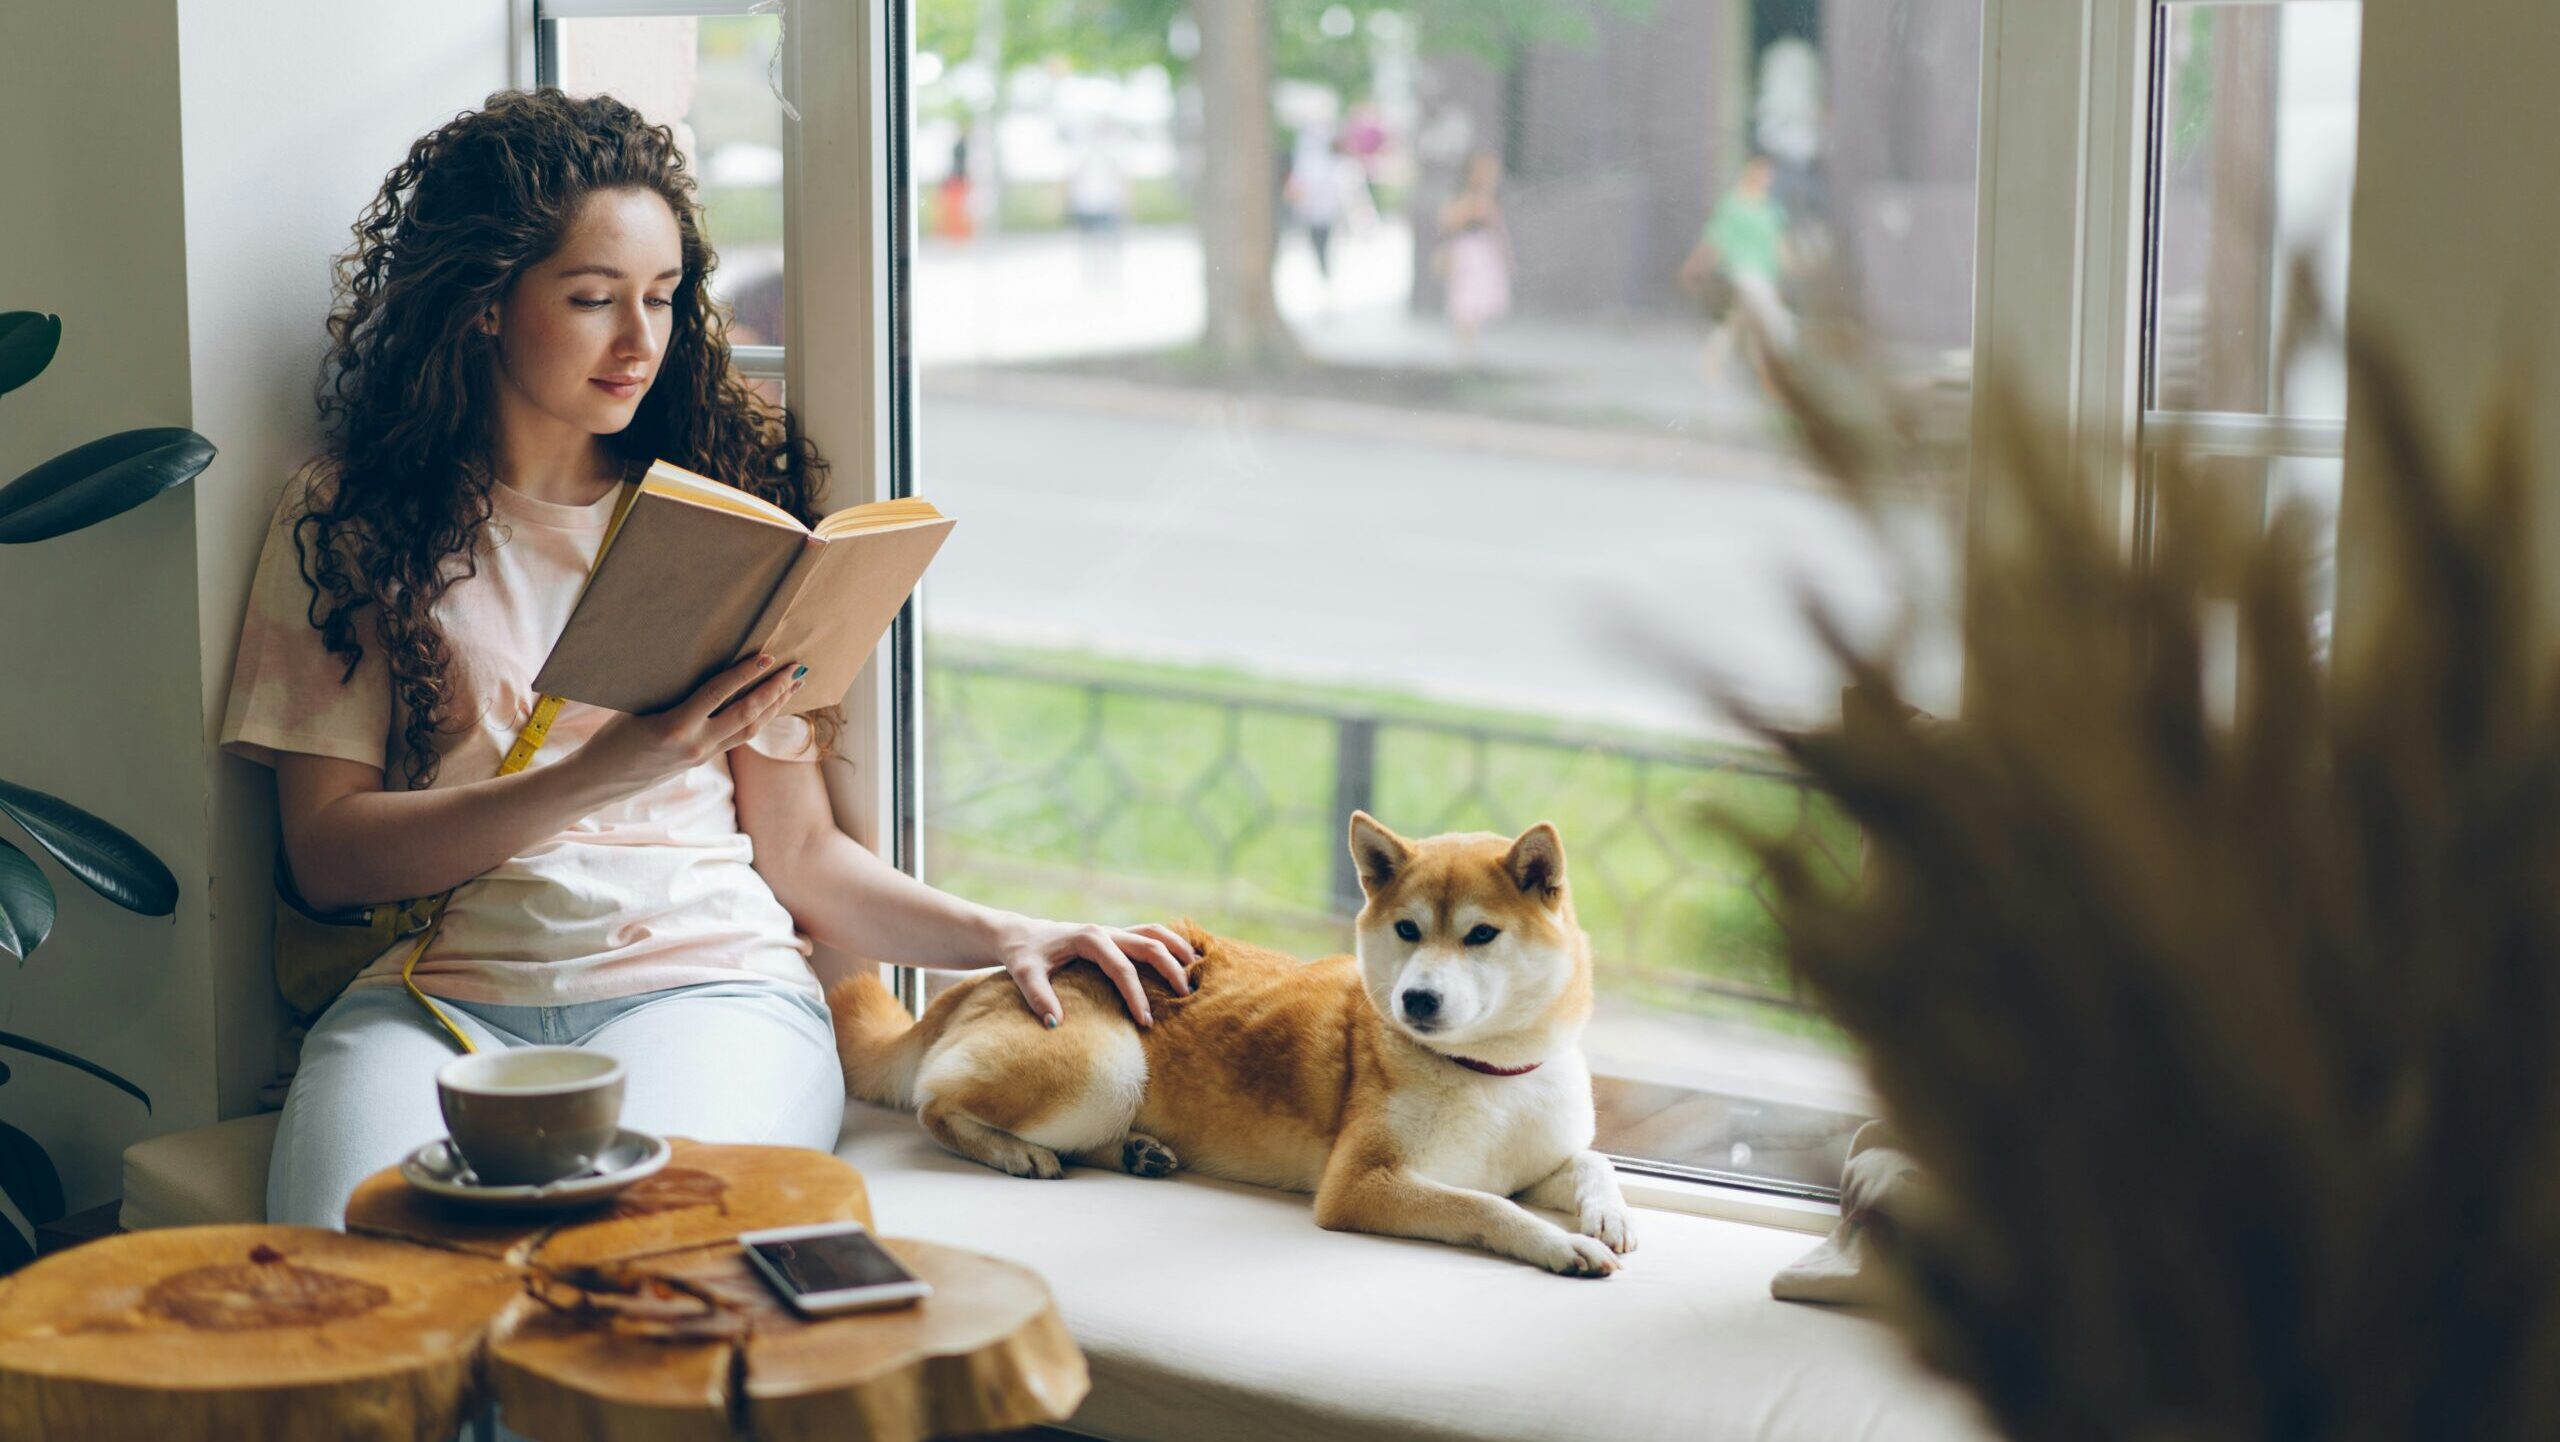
[2164,431]
[849,385]
[2068,188]
[2063,196]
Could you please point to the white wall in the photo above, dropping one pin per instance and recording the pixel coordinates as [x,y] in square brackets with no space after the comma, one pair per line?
[206,160]
[100,701]
[2457,223]
[294,110]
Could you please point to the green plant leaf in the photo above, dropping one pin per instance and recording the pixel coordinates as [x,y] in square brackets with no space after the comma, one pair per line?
[109,862]
[107,477]
[28,340]
[28,1176]
[26,903]
[32,1047]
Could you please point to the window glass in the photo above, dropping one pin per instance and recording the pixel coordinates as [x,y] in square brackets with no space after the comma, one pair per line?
[1367,413]
[713,81]
[2254,144]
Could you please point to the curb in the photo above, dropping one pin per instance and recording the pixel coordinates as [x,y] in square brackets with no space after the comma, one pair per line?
[1438,429]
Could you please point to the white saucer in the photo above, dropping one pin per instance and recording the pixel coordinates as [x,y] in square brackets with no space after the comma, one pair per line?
[438,1168]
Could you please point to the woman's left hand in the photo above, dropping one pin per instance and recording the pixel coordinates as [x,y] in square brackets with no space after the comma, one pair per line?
[1032,949]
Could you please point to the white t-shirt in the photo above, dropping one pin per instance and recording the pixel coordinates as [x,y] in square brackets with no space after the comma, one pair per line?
[657,890]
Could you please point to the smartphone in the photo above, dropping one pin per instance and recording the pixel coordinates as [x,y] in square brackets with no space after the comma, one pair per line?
[832,1267]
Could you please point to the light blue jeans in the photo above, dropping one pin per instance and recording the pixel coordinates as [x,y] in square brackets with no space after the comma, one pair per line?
[723,1061]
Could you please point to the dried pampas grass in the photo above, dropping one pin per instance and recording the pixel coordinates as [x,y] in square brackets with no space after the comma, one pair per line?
[2231,1047]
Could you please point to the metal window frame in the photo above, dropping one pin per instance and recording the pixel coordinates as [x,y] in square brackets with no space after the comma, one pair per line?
[846,232]
[2159,431]
[2059,235]
[2223,433]
[2066,195]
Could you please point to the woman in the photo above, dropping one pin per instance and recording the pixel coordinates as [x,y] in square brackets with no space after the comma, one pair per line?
[1744,245]
[1475,259]
[523,325]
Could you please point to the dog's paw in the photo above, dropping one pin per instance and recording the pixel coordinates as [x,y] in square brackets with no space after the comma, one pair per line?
[1609,1226]
[1022,1159]
[1570,1256]
[1144,1156]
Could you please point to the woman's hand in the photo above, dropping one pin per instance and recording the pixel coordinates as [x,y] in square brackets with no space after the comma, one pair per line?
[1031,949]
[637,752]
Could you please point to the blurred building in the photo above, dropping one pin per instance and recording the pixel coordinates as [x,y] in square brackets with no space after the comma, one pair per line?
[1616,151]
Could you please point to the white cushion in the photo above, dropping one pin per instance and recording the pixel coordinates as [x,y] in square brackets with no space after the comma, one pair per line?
[192,1178]
[1212,1310]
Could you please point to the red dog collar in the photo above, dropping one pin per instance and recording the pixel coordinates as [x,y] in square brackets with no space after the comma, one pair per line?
[1489,1069]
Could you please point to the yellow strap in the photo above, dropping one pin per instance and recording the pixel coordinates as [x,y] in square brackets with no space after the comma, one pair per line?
[536,730]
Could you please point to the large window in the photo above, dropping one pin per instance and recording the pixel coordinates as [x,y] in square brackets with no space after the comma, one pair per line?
[1332,425]
[1358,405]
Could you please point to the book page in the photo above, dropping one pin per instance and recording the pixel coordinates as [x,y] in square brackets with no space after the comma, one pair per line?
[877,516]
[668,479]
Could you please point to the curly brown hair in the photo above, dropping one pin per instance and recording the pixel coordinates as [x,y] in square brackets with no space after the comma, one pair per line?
[408,392]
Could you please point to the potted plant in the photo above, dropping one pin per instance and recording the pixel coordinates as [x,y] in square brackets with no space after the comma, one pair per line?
[2222,1035]
[77,489]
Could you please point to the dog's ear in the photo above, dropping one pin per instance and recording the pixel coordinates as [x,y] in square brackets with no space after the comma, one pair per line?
[1379,853]
[1536,862]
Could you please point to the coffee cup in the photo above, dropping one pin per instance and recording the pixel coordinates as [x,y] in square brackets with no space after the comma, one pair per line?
[522,1116]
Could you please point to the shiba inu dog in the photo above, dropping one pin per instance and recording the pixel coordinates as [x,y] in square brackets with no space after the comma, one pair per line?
[1416,1088]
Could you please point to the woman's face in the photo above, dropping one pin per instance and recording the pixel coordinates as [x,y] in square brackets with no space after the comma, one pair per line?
[581,334]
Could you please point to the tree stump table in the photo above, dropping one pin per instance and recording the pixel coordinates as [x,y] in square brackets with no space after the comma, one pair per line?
[637,1320]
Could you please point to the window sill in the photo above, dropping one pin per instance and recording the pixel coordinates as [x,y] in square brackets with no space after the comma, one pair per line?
[1213,1310]
[1730,1204]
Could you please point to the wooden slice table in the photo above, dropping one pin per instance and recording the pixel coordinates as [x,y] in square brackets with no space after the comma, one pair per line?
[636,1321]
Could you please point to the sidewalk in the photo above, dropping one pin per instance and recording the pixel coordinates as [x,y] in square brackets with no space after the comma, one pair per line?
[1129,310]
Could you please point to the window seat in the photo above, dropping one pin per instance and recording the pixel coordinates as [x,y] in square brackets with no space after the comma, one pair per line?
[1218,1311]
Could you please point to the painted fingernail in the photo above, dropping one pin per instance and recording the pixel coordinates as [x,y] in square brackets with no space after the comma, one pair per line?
[1050,1021]
[763,661]
[803,671]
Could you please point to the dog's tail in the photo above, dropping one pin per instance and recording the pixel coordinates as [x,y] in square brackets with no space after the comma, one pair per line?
[876,1040]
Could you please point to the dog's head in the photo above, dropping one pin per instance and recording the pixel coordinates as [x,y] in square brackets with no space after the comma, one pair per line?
[1468,942]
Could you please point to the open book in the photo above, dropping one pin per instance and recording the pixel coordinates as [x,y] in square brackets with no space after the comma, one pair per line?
[699,575]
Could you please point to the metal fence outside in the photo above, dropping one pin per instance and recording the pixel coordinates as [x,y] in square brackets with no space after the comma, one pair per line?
[1054,779]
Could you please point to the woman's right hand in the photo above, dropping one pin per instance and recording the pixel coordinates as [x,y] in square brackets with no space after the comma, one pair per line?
[638,752]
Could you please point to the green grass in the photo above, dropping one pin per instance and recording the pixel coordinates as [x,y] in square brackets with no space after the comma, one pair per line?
[1068,792]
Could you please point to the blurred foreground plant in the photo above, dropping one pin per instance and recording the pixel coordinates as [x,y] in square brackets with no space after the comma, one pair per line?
[2230,1043]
